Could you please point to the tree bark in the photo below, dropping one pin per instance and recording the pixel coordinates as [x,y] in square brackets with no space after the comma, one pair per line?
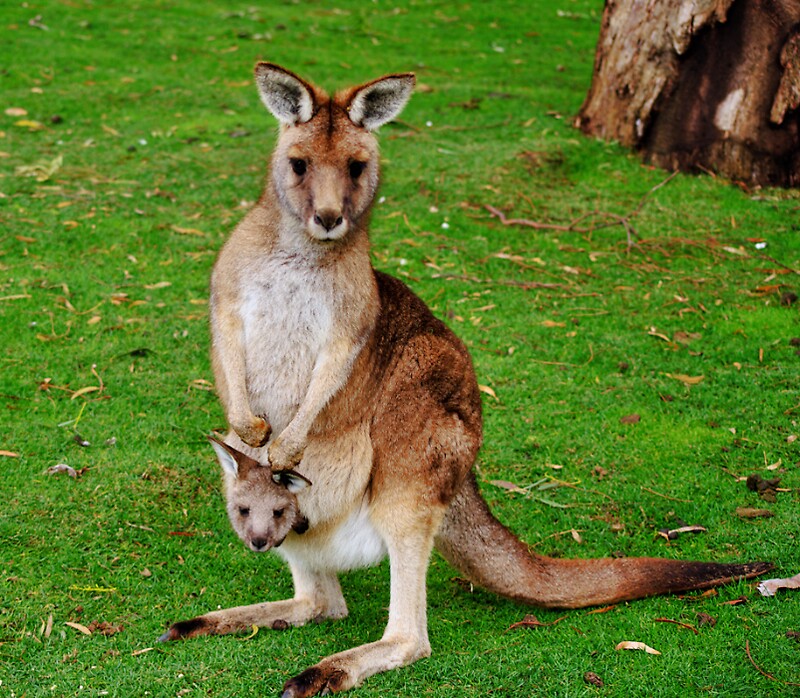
[701,85]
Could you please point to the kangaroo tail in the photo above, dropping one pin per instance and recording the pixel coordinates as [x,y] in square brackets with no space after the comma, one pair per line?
[480,547]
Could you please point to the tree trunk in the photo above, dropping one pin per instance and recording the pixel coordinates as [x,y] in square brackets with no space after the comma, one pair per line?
[701,85]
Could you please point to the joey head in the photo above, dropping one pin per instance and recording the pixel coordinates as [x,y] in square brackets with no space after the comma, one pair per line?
[262,504]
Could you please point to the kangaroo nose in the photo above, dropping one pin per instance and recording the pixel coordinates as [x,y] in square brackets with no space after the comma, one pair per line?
[328,219]
[258,544]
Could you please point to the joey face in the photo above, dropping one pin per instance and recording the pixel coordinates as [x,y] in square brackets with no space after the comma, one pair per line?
[262,504]
[261,511]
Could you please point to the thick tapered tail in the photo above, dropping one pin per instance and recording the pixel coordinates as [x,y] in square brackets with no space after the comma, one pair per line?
[484,550]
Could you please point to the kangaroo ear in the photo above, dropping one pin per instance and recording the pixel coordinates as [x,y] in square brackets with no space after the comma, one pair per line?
[378,102]
[225,456]
[291,480]
[288,97]
[233,461]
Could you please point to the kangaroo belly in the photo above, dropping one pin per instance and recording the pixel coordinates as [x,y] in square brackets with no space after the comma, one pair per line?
[286,324]
[352,544]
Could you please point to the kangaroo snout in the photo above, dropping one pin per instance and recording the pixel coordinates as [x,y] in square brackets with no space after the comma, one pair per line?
[259,544]
[328,219]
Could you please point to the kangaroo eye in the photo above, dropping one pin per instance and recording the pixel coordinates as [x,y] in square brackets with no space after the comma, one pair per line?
[244,512]
[278,513]
[299,166]
[356,168]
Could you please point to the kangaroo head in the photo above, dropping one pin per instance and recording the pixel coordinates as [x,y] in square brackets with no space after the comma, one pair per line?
[325,164]
[262,504]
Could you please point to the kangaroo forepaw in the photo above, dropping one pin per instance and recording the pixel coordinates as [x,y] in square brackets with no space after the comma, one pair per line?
[317,681]
[255,432]
[284,456]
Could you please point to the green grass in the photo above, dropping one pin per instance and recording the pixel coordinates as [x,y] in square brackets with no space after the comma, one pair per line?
[103,277]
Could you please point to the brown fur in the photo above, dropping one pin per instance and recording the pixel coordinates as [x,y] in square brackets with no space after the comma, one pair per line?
[322,361]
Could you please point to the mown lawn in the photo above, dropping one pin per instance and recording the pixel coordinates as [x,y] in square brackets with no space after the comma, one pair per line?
[629,388]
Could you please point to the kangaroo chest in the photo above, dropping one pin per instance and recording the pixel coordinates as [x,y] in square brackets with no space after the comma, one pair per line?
[287,313]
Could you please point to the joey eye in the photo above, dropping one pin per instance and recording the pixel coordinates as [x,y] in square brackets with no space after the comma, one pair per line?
[244,512]
[356,168]
[299,166]
[278,513]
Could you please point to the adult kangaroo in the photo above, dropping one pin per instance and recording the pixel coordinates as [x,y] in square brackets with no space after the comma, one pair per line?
[325,365]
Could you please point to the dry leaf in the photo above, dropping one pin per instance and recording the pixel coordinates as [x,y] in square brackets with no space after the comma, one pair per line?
[160,284]
[9,454]
[254,630]
[686,380]
[188,231]
[597,611]
[553,323]
[80,628]
[83,391]
[136,653]
[593,679]
[736,250]
[673,533]
[629,645]
[630,419]
[685,338]
[530,621]
[48,627]
[16,111]
[706,619]
[736,602]
[104,628]
[653,332]
[486,389]
[770,586]
[146,573]
[510,486]
[41,170]
[750,513]
[63,468]
[30,124]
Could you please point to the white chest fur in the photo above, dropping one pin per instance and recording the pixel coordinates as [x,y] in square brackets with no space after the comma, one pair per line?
[287,313]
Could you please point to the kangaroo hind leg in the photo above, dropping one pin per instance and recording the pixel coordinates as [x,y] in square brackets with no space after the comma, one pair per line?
[409,539]
[317,596]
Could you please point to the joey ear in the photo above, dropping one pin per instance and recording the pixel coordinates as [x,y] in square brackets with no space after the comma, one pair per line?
[288,97]
[381,100]
[291,480]
[225,456]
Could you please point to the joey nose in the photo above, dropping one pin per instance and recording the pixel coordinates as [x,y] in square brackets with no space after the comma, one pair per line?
[259,544]
[328,219]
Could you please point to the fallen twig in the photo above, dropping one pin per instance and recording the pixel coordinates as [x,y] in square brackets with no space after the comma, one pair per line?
[677,622]
[608,219]
[761,671]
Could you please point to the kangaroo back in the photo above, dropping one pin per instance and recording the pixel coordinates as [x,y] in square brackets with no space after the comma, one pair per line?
[484,550]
